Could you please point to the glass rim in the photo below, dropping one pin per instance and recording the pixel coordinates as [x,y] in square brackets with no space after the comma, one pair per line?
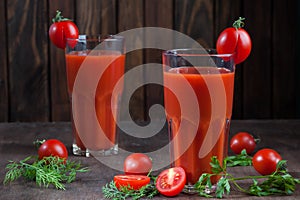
[193,52]
[95,38]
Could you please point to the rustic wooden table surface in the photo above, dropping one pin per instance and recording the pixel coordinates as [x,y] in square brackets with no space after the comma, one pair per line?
[16,143]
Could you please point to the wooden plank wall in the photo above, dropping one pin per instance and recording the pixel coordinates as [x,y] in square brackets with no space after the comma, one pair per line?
[32,71]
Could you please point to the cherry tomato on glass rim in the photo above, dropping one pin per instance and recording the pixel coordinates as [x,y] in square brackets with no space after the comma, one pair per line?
[137,163]
[171,182]
[265,161]
[134,182]
[53,147]
[242,140]
[61,29]
[235,40]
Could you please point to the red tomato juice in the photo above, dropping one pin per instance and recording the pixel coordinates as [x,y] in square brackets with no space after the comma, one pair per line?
[187,157]
[103,97]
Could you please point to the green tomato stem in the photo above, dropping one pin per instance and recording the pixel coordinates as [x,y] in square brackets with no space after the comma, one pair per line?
[239,23]
[59,18]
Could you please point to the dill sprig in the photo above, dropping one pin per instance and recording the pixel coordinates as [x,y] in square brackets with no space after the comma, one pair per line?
[110,191]
[48,171]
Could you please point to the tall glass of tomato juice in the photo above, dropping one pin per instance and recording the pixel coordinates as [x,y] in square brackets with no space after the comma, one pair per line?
[198,97]
[94,65]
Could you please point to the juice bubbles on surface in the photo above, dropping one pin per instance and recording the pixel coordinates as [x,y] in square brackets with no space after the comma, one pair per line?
[103,99]
[188,156]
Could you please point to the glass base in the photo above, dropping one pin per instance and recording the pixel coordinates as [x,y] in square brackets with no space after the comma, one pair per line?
[105,152]
[190,189]
[77,151]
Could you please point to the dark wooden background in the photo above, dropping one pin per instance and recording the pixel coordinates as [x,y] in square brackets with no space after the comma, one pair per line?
[32,71]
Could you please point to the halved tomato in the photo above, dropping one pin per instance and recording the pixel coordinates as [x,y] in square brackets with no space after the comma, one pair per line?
[134,182]
[170,182]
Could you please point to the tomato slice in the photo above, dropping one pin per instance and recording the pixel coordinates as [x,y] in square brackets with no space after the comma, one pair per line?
[134,182]
[170,182]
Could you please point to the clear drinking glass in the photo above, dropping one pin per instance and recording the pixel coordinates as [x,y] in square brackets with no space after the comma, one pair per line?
[94,64]
[198,96]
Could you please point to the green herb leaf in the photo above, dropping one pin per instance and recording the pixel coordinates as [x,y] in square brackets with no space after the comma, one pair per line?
[216,168]
[110,191]
[243,159]
[204,185]
[48,171]
[223,187]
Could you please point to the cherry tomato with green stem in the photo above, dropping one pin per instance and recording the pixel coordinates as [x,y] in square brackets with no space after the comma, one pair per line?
[235,40]
[61,29]
[265,161]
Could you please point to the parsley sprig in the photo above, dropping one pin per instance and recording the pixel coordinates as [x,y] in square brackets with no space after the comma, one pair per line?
[242,159]
[110,191]
[278,183]
[45,172]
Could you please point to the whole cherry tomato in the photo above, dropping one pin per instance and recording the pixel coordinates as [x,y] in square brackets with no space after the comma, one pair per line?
[137,163]
[265,161]
[134,182]
[171,182]
[53,147]
[235,40]
[61,29]
[242,140]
